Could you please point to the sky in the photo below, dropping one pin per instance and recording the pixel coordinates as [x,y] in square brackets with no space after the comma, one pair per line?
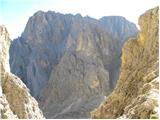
[14,14]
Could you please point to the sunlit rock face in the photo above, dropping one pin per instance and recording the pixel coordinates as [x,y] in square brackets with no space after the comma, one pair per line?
[69,62]
[15,99]
[137,90]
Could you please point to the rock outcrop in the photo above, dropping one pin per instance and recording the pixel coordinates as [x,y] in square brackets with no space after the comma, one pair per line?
[15,99]
[68,62]
[137,90]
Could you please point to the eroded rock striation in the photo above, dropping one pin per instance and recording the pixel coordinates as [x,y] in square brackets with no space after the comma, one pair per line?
[15,99]
[137,90]
[69,62]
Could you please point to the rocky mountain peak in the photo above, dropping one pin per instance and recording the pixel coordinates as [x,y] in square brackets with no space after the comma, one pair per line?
[72,52]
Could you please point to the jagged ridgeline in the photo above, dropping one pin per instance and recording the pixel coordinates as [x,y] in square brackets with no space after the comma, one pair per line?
[137,90]
[69,62]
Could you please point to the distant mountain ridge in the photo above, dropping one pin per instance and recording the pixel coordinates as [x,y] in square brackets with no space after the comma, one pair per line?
[118,26]
[57,51]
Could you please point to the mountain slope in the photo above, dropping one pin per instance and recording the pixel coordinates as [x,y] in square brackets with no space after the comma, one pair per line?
[136,93]
[15,99]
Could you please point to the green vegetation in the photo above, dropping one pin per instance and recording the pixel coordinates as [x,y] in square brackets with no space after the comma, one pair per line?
[154,116]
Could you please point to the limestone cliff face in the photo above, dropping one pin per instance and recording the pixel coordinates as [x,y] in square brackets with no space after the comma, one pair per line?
[136,93]
[15,100]
[65,60]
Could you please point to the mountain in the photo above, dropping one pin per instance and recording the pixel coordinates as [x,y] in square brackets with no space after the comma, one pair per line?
[137,91]
[15,99]
[118,26]
[69,62]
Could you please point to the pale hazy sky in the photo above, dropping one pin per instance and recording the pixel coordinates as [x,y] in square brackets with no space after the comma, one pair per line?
[14,14]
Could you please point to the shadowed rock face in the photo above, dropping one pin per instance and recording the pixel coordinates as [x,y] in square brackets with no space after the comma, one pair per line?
[67,61]
[15,99]
[136,92]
